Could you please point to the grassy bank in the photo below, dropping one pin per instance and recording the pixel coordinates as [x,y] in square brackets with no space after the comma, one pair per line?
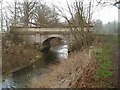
[103,72]
[106,72]
[64,74]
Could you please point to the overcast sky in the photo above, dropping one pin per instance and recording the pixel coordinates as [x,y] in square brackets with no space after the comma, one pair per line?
[106,14]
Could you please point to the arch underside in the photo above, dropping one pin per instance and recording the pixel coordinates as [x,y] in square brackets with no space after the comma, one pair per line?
[53,41]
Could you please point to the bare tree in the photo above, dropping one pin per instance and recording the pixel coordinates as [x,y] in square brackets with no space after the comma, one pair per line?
[12,9]
[4,18]
[45,16]
[21,12]
[81,15]
[1,15]
[53,19]
[28,8]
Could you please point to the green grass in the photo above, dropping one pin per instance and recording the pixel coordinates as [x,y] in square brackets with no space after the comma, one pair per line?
[103,59]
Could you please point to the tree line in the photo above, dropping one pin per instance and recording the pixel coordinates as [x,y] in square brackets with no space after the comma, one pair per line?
[108,28]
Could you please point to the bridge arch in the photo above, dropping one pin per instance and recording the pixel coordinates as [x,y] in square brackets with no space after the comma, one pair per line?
[53,41]
[45,37]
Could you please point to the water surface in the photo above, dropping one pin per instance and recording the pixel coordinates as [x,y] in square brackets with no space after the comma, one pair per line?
[21,78]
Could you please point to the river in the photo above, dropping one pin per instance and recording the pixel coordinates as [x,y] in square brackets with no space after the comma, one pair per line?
[21,78]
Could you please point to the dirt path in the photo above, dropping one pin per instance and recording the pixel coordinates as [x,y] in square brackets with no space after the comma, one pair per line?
[119,60]
[0,53]
[118,67]
[113,41]
[114,58]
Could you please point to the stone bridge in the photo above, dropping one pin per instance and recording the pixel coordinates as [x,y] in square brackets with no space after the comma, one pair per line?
[40,35]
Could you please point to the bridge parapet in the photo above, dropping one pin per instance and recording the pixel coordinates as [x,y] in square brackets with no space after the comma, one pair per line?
[38,30]
[34,30]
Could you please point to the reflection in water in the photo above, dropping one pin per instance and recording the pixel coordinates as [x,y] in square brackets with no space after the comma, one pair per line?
[21,78]
[49,57]
[62,51]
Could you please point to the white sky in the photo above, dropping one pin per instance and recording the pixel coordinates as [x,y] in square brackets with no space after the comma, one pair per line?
[106,14]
